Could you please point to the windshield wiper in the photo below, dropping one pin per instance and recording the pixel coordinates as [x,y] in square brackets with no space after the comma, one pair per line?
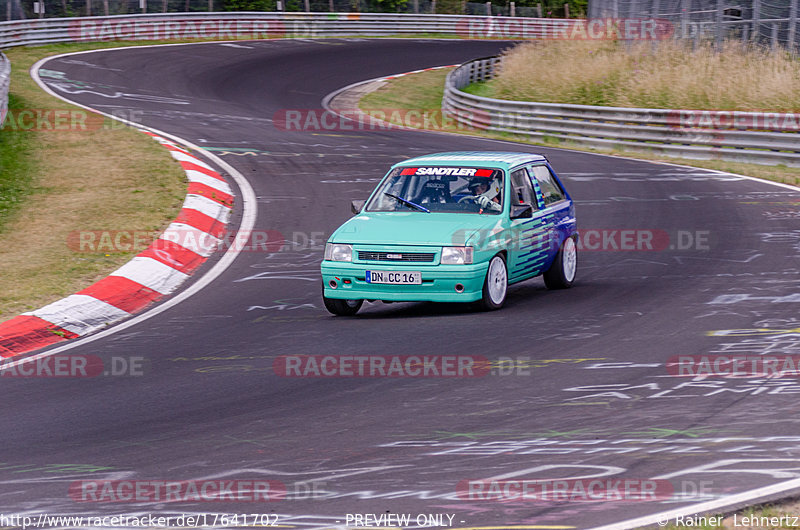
[407,203]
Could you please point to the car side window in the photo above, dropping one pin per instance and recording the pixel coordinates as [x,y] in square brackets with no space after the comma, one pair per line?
[551,192]
[522,190]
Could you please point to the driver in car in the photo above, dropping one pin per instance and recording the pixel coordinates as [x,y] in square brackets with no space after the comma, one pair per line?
[479,186]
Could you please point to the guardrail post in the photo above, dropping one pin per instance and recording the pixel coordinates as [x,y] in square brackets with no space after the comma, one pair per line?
[756,19]
[210,6]
[566,10]
[433,6]
[792,24]
[488,8]
[684,18]
[774,44]
[513,11]
[308,6]
[718,36]
[5,72]
[416,6]
[539,10]
[88,8]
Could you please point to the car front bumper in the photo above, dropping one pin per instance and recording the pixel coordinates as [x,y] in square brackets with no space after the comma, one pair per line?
[438,282]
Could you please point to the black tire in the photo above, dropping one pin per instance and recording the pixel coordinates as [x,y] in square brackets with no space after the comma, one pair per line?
[342,308]
[561,274]
[495,286]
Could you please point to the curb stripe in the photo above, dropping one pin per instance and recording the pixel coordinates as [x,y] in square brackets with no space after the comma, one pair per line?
[174,255]
[185,157]
[152,274]
[79,313]
[157,271]
[206,206]
[202,222]
[27,333]
[211,182]
[122,293]
[198,188]
[195,167]
[190,238]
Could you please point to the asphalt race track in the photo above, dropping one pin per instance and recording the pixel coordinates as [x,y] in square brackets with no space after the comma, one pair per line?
[579,386]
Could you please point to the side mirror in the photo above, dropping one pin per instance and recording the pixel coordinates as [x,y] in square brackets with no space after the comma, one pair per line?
[521,211]
[357,206]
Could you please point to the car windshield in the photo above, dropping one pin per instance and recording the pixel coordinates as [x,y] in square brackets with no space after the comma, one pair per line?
[440,189]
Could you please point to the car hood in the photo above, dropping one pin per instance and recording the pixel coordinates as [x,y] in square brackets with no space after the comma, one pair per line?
[413,228]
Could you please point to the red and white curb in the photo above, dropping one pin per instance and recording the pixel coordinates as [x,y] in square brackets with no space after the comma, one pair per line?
[154,273]
[397,76]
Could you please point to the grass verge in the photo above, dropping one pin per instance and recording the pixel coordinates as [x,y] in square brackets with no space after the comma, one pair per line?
[56,184]
[425,90]
[16,166]
[670,75]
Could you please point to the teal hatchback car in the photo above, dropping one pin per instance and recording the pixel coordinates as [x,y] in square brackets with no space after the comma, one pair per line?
[453,227]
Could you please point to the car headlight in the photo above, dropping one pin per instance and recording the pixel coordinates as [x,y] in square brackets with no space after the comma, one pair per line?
[338,252]
[456,255]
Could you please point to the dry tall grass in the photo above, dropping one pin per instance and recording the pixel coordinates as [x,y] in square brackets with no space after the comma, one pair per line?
[667,75]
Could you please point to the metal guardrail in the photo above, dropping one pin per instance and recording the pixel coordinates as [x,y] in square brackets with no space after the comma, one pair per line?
[5,75]
[754,137]
[243,25]
[239,26]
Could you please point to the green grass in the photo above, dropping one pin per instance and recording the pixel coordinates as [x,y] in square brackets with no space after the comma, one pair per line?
[483,89]
[17,166]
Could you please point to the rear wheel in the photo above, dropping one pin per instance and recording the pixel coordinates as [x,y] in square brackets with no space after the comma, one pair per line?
[496,285]
[561,273]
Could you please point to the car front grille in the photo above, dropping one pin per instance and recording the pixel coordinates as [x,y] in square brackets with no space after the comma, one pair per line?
[418,257]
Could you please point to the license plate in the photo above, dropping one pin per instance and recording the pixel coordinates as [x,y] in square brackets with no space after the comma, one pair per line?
[396,278]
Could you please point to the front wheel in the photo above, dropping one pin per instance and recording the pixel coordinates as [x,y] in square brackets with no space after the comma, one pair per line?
[342,308]
[496,284]
[561,273]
